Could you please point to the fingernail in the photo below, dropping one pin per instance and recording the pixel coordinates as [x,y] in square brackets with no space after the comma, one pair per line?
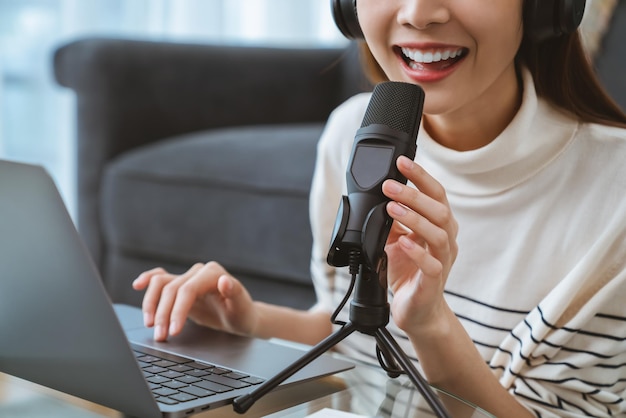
[397,209]
[393,187]
[229,284]
[405,161]
[173,328]
[159,332]
[147,319]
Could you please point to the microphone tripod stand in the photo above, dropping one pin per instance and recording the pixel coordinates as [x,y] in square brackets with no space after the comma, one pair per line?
[369,314]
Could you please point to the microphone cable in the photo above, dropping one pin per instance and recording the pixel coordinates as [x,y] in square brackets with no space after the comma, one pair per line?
[354,264]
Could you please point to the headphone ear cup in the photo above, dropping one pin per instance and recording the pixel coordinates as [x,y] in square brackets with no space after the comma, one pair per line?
[544,19]
[570,15]
[539,19]
[346,19]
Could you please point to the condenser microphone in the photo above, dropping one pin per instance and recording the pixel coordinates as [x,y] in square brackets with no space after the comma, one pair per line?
[389,129]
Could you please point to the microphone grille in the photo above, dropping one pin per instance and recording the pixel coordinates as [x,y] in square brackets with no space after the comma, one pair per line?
[396,104]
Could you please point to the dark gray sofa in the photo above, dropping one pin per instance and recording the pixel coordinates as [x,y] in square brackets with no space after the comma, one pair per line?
[190,152]
[193,152]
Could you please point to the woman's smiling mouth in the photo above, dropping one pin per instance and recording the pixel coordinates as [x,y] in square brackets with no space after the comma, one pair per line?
[431,62]
[429,56]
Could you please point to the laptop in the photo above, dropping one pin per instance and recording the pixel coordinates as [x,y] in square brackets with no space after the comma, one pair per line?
[58,327]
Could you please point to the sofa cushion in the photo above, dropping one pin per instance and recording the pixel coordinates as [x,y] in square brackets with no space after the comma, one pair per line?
[238,196]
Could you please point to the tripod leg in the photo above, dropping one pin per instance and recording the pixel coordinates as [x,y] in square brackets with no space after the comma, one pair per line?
[384,337]
[244,402]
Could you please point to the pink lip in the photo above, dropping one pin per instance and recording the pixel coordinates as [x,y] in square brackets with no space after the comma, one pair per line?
[426,73]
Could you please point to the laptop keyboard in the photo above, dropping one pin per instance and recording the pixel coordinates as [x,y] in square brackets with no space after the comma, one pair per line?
[174,379]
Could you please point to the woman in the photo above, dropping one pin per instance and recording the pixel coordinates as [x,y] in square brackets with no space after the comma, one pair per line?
[507,258]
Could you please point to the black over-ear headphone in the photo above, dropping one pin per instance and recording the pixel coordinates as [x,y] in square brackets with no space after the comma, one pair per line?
[543,19]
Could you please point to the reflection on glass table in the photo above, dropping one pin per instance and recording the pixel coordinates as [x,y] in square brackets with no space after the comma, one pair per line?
[369,392]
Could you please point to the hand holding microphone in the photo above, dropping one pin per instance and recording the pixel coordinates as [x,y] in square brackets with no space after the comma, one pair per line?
[389,129]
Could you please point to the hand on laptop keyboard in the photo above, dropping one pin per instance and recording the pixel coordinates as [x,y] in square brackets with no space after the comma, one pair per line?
[206,294]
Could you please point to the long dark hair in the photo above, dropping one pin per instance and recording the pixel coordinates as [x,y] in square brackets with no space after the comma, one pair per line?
[563,75]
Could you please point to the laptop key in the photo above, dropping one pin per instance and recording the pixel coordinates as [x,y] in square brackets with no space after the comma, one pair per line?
[252,380]
[180,368]
[235,384]
[188,379]
[175,384]
[196,391]
[197,373]
[220,370]
[183,397]
[158,379]
[236,375]
[148,359]
[171,374]
[164,363]
[212,386]
[199,366]
[167,401]
[154,369]
[164,391]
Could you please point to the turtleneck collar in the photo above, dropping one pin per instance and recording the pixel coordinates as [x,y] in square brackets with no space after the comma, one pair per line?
[536,135]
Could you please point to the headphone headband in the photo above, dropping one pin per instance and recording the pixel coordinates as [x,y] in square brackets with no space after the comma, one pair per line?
[543,19]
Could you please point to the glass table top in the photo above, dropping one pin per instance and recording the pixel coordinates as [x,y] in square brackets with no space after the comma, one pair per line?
[364,391]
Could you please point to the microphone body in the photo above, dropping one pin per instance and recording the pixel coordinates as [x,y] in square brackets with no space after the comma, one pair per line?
[389,129]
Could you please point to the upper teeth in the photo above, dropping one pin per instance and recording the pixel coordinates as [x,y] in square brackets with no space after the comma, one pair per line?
[431,56]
